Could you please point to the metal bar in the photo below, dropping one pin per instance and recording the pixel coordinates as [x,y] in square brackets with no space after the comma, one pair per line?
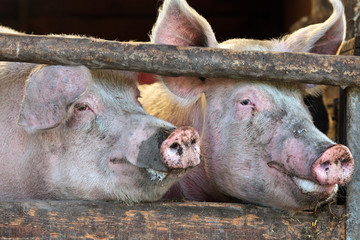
[352,136]
[182,61]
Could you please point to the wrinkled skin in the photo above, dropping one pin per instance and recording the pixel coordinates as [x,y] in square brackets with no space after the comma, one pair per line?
[259,143]
[72,133]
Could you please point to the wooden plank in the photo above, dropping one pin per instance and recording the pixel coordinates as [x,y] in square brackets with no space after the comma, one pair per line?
[352,11]
[185,220]
[182,61]
[353,189]
[351,47]
[352,133]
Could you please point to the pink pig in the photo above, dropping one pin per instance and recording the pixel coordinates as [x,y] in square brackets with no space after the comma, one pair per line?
[258,140]
[71,133]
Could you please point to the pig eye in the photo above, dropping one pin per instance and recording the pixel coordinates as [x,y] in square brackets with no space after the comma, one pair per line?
[202,79]
[81,107]
[245,102]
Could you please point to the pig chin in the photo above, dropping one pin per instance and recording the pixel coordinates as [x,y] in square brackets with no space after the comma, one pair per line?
[307,193]
[310,187]
[159,177]
[148,173]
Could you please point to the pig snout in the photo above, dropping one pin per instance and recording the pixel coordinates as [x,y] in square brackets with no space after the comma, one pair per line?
[335,166]
[181,149]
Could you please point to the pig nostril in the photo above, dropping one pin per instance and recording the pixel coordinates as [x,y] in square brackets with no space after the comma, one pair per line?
[174,146]
[326,166]
[177,148]
[179,151]
[345,161]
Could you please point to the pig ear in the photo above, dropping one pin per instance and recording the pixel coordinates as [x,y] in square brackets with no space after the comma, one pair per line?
[178,24]
[323,38]
[312,90]
[146,78]
[49,92]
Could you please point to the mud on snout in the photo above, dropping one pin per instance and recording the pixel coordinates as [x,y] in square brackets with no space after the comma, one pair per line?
[169,152]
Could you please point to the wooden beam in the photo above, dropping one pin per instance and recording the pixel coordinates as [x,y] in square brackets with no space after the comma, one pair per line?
[169,220]
[352,133]
[182,61]
[352,137]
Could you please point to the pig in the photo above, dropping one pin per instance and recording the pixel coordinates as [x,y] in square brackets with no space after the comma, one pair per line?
[68,132]
[258,141]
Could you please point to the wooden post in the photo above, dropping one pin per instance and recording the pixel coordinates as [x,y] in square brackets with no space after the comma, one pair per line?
[182,61]
[353,137]
[352,12]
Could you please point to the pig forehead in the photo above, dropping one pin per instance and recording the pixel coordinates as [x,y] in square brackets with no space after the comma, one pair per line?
[256,90]
[265,96]
[114,84]
[114,94]
[111,90]
[242,44]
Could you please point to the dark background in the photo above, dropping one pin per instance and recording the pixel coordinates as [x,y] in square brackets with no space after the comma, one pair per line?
[133,19]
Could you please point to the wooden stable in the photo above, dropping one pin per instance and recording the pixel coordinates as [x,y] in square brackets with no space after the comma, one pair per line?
[191,220]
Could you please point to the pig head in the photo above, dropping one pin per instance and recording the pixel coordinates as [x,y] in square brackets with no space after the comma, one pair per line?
[71,133]
[258,140]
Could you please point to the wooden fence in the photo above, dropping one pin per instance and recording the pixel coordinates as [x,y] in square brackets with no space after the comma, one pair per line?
[188,220]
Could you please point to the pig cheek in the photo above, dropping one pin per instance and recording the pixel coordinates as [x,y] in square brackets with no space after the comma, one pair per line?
[282,193]
[42,160]
[243,112]
[82,119]
[134,142]
[126,174]
[127,147]
[286,150]
[293,157]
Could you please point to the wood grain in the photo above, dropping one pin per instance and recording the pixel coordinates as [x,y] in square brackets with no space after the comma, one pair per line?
[182,61]
[166,220]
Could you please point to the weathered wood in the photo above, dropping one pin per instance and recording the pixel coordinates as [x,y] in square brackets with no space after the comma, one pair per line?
[352,13]
[353,134]
[351,47]
[188,220]
[182,61]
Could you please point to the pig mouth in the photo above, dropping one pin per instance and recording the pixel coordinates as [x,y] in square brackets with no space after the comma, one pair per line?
[159,176]
[156,175]
[306,186]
